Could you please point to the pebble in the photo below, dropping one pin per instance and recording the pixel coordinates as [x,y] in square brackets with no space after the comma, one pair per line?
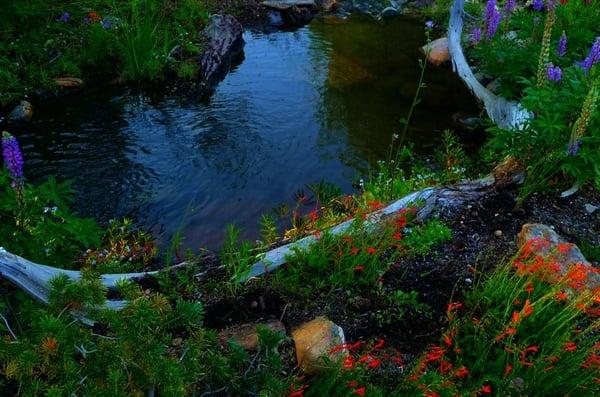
[498,233]
[590,209]
[254,304]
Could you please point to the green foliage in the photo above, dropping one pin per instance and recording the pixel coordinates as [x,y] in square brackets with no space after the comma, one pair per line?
[559,145]
[237,259]
[36,223]
[452,159]
[268,229]
[99,40]
[422,238]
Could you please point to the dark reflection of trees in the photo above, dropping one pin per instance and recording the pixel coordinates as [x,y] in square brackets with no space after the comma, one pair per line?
[78,139]
[371,81]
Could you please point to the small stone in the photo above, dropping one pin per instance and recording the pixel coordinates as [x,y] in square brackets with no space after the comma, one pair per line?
[245,335]
[468,281]
[69,82]
[176,342]
[23,112]
[254,304]
[316,339]
[437,51]
[590,209]
[498,233]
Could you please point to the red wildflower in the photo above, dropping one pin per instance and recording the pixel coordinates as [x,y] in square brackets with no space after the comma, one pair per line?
[432,394]
[371,250]
[347,239]
[365,358]
[348,362]
[570,346]
[378,344]
[360,391]
[448,340]
[401,222]
[527,350]
[313,215]
[359,268]
[508,331]
[453,306]
[435,353]
[529,288]
[515,317]
[374,363]
[445,367]
[486,389]
[373,205]
[397,236]
[354,251]
[94,17]
[563,248]
[561,296]
[507,370]
[527,309]
[352,384]
[593,361]
[462,372]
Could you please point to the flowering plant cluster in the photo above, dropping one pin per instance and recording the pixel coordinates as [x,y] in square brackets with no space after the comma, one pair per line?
[546,58]
[530,329]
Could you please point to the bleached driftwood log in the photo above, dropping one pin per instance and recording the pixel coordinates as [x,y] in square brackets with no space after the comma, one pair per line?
[506,114]
[430,199]
[35,279]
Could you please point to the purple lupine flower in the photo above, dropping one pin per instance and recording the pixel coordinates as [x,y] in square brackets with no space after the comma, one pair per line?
[538,5]
[573,148]
[65,17]
[106,24]
[87,20]
[592,58]
[562,45]
[492,19]
[429,24]
[13,158]
[510,6]
[554,73]
[476,35]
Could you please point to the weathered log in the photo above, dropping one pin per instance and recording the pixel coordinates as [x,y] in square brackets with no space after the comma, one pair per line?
[34,278]
[506,114]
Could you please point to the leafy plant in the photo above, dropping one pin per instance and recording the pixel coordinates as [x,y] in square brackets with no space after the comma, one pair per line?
[237,259]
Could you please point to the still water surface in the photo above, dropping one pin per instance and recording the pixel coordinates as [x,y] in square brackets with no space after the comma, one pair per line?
[321,102]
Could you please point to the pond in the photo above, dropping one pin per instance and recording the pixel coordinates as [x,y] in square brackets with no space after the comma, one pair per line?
[320,102]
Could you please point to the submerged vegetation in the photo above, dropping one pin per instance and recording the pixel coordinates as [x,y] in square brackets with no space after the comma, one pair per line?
[527,327]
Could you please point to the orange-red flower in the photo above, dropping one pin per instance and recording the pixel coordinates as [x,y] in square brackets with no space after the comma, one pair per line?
[570,346]
[359,268]
[507,370]
[462,372]
[378,344]
[527,309]
[371,250]
[348,362]
[49,345]
[485,389]
[360,391]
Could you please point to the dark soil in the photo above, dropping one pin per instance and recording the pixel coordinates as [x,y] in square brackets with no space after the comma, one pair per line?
[484,235]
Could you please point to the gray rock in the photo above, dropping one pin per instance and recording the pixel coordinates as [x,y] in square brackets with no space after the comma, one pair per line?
[283,5]
[225,44]
[23,112]
[590,209]
[389,12]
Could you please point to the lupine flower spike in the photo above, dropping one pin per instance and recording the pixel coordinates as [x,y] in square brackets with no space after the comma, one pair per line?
[554,73]
[592,58]
[545,51]
[13,158]
[492,19]
[562,45]
[538,5]
[580,126]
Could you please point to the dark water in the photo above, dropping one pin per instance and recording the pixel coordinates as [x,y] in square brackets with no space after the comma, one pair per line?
[318,103]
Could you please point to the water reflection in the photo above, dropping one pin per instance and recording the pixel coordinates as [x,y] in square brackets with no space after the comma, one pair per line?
[317,103]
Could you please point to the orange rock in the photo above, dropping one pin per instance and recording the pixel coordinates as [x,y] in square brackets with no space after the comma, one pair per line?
[315,340]
[245,335]
[69,82]
[437,51]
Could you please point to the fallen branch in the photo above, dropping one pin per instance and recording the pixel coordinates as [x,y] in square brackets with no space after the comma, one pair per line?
[35,279]
[440,198]
[506,114]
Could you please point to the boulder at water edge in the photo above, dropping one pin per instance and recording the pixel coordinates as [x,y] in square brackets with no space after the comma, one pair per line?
[437,51]
[315,340]
[23,112]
